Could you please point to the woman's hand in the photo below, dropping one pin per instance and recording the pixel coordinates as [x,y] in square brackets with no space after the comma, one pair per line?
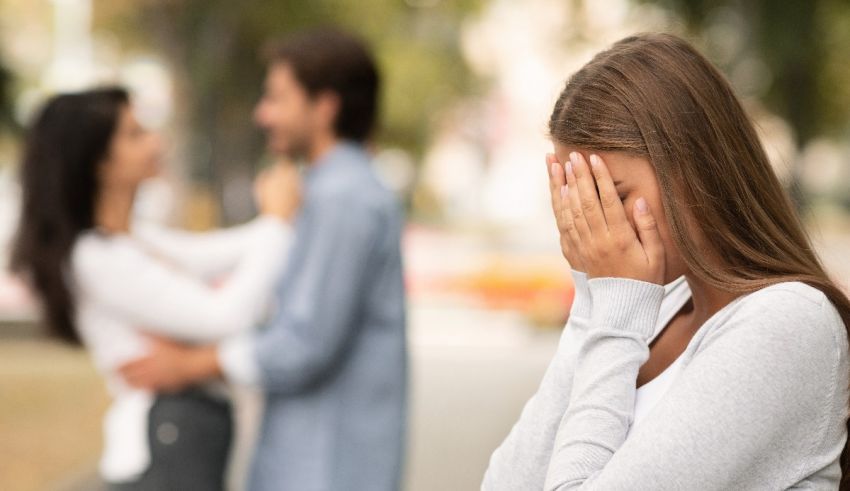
[170,366]
[278,191]
[596,227]
[557,185]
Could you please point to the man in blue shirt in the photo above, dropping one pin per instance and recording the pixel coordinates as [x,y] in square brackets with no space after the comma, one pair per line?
[332,359]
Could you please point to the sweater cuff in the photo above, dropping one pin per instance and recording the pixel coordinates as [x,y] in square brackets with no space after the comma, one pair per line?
[273,234]
[581,299]
[237,360]
[274,222]
[625,304]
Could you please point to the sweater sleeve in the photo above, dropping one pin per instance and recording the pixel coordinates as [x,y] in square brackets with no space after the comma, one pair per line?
[761,403]
[520,462]
[159,299]
[204,254]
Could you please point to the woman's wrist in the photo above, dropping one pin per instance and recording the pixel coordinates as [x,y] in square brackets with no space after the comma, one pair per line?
[202,364]
[274,218]
[625,304]
[582,303]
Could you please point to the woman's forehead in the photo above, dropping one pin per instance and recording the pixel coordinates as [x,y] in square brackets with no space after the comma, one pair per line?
[623,167]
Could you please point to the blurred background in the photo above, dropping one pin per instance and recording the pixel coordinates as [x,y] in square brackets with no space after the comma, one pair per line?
[468,87]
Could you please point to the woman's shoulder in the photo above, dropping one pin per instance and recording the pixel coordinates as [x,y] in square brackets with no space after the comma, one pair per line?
[793,300]
[97,253]
[794,313]
[787,290]
[789,330]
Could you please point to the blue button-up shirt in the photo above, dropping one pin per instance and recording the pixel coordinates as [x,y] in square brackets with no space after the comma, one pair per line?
[333,359]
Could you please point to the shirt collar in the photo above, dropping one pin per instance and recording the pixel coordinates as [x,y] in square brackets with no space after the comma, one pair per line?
[343,152]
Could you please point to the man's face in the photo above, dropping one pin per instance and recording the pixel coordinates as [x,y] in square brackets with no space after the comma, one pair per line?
[286,113]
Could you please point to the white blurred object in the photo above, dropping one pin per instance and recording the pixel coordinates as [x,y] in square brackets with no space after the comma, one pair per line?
[16,304]
[486,163]
[149,81]
[155,201]
[777,137]
[72,66]
[396,169]
[10,205]
[823,167]
[453,169]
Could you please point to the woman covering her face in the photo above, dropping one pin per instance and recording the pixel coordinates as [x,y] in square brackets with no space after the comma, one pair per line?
[706,347]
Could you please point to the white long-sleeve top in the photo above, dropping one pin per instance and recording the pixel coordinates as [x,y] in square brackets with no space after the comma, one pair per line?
[759,401]
[160,281]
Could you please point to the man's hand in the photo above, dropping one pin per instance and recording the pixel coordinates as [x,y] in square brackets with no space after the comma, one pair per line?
[170,366]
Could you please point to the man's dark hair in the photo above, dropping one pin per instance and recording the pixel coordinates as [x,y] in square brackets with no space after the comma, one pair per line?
[330,59]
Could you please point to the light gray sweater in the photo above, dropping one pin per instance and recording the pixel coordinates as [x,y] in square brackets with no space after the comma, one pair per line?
[760,401]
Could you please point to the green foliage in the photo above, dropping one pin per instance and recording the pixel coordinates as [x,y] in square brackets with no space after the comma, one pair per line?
[804,45]
[214,47]
[7,119]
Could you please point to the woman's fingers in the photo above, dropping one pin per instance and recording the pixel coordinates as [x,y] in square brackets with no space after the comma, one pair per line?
[557,186]
[552,164]
[648,233]
[557,180]
[568,225]
[587,197]
[612,208]
[560,207]
[595,232]
[573,203]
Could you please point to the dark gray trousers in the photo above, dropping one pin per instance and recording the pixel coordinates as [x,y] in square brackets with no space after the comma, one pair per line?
[189,434]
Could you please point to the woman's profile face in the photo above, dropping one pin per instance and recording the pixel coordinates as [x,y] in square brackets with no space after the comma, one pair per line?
[634,177]
[134,153]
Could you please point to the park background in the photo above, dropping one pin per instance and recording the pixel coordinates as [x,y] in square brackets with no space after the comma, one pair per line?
[468,87]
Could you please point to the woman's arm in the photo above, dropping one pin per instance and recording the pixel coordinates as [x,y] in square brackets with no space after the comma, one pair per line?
[759,406]
[154,297]
[203,254]
[521,460]
[208,254]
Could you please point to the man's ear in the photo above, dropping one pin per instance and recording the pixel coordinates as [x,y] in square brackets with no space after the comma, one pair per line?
[327,106]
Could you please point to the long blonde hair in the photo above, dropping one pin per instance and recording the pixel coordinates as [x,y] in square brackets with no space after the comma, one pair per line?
[655,96]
